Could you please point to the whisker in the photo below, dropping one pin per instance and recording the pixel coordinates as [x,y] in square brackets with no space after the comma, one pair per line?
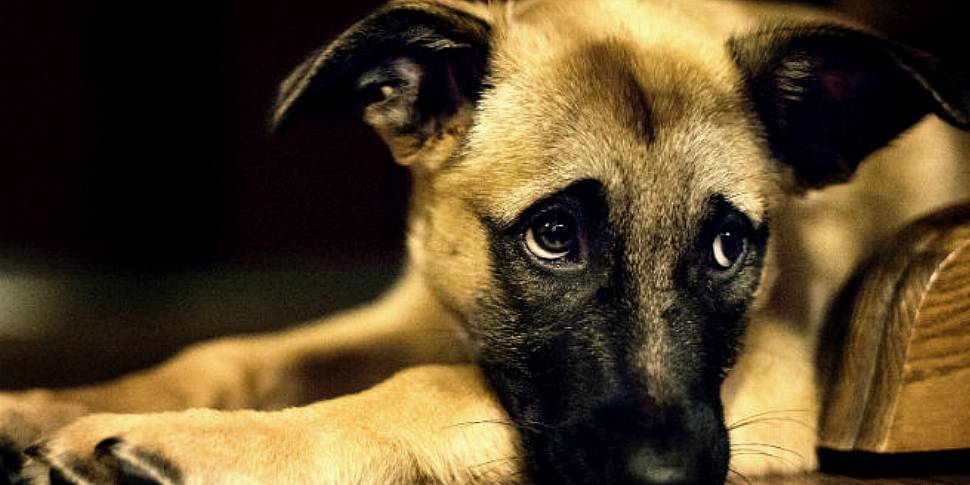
[494,461]
[769,420]
[503,422]
[482,421]
[767,445]
[519,473]
[743,477]
[767,413]
[531,426]
[742,451]
[765,453]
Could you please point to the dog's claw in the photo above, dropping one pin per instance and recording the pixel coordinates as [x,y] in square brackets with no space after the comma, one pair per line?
[134,466]
[106,448]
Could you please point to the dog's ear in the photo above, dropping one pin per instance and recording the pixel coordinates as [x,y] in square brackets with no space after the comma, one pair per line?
[415,66]
[829,96]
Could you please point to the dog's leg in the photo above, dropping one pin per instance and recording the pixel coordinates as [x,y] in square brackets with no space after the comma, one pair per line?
[431,424]
[346,353]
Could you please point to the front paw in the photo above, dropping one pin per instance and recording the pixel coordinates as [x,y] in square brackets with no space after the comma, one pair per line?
[112,461]
[210,447]
[25,418]
[136,449]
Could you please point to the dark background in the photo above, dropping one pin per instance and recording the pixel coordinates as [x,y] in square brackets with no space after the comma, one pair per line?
[143,204]
[134,137]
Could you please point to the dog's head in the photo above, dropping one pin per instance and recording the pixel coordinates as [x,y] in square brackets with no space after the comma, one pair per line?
[594,184]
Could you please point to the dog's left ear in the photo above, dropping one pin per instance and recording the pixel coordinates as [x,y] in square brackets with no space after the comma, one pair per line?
[416,67]
[829,96]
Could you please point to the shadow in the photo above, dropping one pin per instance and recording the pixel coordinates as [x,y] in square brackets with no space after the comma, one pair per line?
[879,465]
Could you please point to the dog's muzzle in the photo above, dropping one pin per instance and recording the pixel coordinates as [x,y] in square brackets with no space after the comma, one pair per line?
[624,443]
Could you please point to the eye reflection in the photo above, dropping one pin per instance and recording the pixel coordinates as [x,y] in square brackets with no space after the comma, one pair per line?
[728,246]
[553,235]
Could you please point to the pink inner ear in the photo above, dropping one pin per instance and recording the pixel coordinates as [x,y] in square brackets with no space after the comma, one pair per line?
[453,89]
[842,85]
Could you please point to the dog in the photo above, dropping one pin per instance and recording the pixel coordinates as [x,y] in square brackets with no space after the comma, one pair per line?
[626,222]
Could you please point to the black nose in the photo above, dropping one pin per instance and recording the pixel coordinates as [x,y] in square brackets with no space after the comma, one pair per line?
[666,465]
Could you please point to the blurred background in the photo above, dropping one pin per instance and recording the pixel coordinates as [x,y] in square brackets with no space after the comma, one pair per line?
[143,205]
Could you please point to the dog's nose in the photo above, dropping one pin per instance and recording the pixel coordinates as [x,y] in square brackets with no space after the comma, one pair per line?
[652,445]
[650,465]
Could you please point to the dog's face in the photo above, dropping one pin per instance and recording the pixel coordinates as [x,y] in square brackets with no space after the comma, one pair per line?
[620,254]
[594,184]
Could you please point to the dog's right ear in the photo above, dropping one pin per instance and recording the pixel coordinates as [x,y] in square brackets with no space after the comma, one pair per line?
[416,66]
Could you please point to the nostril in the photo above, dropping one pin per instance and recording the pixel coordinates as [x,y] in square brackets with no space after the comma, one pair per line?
[648,466]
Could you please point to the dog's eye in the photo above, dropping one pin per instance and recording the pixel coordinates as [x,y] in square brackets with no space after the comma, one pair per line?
[728,246]
[553,235]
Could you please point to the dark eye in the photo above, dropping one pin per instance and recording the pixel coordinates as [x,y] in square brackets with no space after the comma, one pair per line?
[553,235]
[728,246]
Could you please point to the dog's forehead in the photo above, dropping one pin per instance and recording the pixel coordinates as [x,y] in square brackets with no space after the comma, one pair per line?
[655,116]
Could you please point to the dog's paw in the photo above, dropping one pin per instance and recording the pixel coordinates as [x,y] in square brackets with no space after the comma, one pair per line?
[112,461]
[164,448]
[26,418]
[209,447]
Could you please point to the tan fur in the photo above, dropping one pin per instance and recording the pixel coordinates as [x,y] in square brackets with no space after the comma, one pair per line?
[439,424]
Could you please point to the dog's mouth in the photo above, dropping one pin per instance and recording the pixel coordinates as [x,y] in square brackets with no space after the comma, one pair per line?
[618,444]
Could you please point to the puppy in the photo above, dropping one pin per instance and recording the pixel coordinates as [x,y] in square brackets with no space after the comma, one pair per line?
[611,199]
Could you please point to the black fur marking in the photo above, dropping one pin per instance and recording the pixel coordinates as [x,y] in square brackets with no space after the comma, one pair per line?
[721,299]
[10,460]
[829,96]
[562,349]
[85,469]
[128,474]
[38,452]
[57,477]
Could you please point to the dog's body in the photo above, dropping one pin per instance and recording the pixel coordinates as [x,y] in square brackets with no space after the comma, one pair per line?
[594,186]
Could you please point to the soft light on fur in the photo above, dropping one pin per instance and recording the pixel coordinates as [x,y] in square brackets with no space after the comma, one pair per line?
[659,112]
